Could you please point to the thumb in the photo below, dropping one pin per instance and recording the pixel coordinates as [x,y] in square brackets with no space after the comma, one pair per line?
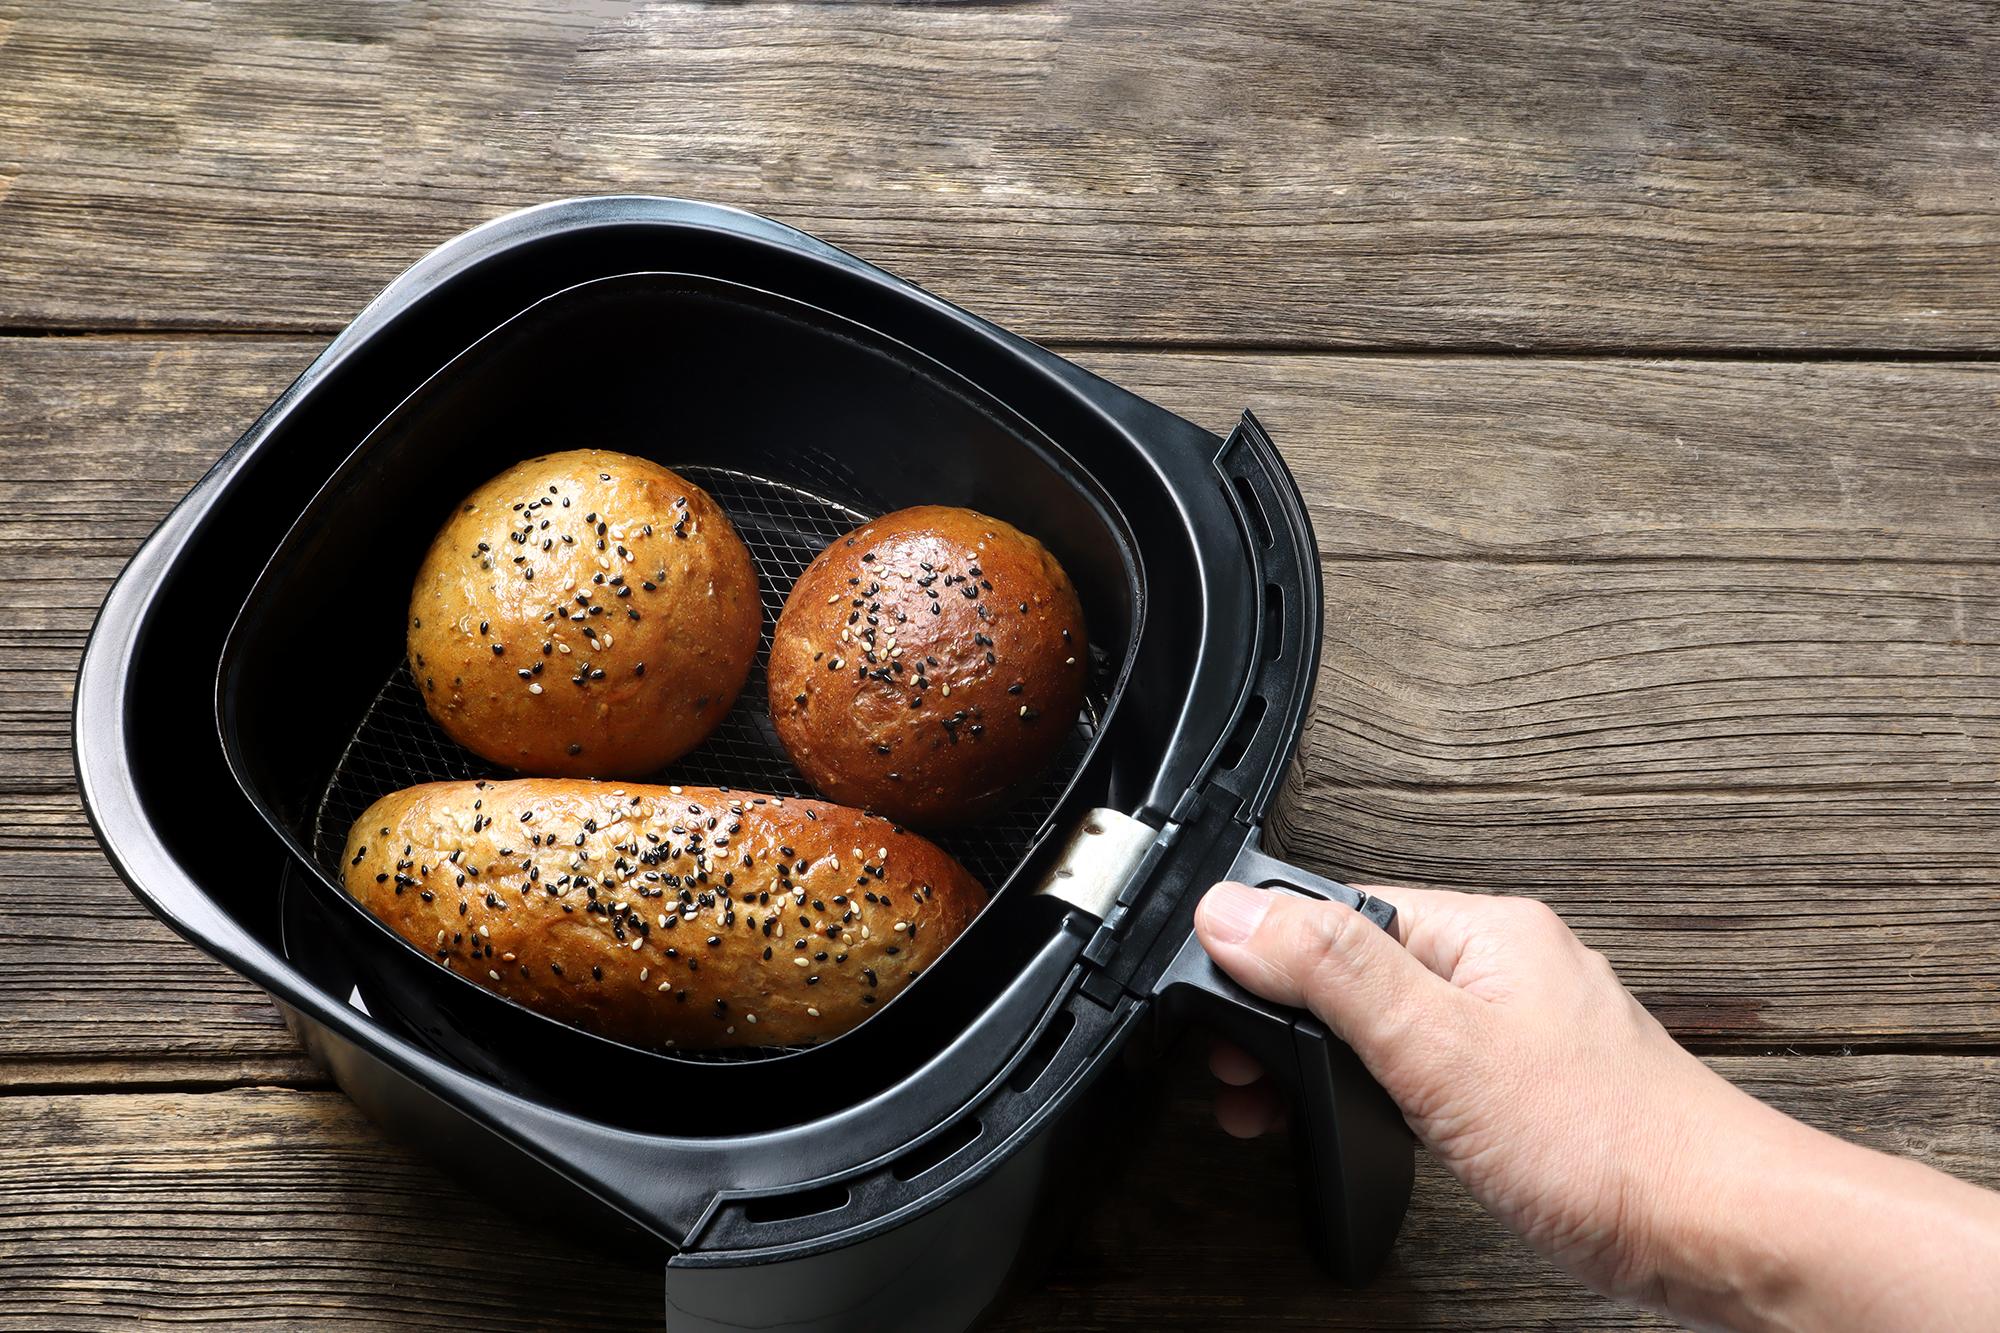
[1322,956]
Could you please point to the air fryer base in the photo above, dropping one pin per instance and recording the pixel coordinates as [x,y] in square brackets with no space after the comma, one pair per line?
[156,789]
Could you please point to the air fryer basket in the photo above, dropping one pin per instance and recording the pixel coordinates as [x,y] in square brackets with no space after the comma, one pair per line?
[802,426]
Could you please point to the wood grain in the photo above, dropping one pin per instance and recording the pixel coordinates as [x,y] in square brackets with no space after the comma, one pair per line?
[1555,459]
[94,991]
[275,1205]
[1303,174]
[1703,650]
[1824,919]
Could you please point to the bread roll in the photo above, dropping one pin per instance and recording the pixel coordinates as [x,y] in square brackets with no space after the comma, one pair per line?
[661,916]
[584,614]
[928,665]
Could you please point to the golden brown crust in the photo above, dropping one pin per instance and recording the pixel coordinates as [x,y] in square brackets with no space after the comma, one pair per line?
[584,614]
[661,916]
[928,665]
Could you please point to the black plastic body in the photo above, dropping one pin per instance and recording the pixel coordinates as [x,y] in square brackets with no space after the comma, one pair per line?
[811,1224]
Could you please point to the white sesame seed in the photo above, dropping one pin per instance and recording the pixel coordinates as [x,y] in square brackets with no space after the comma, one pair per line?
[675,790]
[534,688]
[491,973]
[902,925]
[666,985]
[1024,710]
[750,1017]
[507,958]
[814,1012]
[799,962]
[484,933]
[947,690]
[643,971]
[1069,661]
[637,945]
[562,648]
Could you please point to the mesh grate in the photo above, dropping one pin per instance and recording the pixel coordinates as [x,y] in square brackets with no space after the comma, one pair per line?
[398,745]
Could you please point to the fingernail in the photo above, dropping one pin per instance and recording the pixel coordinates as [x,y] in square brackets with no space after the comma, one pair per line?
[1232,911]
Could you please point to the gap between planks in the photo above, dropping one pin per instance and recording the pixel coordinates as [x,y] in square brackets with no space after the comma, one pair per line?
[196,1085]
[1728,354]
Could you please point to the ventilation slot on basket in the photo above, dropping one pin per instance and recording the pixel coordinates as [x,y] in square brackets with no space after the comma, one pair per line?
[1273,628]
[934,1151]
[1253,511]
[785,1207]
[1044,1050]
[1246,731]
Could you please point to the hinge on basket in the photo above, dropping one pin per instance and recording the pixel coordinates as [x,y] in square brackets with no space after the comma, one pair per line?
[1106,852]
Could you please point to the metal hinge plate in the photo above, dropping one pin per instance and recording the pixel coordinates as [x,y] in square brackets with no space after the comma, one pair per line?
[1107,849]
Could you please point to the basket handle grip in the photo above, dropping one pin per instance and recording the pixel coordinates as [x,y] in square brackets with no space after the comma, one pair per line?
[1355,1156]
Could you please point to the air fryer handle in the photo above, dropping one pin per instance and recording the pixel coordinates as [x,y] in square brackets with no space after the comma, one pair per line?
[1356,1158]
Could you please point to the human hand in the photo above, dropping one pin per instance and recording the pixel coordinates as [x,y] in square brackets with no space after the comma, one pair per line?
[1531,1073]
[1515,1054]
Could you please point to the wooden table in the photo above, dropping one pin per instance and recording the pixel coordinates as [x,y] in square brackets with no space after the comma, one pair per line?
[1637,366]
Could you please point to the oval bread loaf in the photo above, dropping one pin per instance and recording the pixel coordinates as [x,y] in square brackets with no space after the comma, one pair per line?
[691,917]
[928,665]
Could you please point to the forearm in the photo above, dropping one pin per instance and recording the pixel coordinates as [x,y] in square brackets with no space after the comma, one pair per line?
[1784,1228]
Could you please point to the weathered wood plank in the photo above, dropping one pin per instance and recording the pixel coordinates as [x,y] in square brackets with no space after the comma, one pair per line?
[1613,459]
[1647,663]
[93,990]
[1689,675]
[1742,921]
[1305,173]
[256,1205]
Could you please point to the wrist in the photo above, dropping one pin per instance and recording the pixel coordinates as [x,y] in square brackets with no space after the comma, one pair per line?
[1728,1238]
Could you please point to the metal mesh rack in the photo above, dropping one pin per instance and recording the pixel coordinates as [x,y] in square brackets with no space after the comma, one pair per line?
[397,744]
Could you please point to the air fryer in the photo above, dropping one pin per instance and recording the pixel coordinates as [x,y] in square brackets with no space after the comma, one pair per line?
[892,1177]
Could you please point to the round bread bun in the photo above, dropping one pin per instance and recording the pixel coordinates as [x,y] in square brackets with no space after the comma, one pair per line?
[584,614]
[928,666]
